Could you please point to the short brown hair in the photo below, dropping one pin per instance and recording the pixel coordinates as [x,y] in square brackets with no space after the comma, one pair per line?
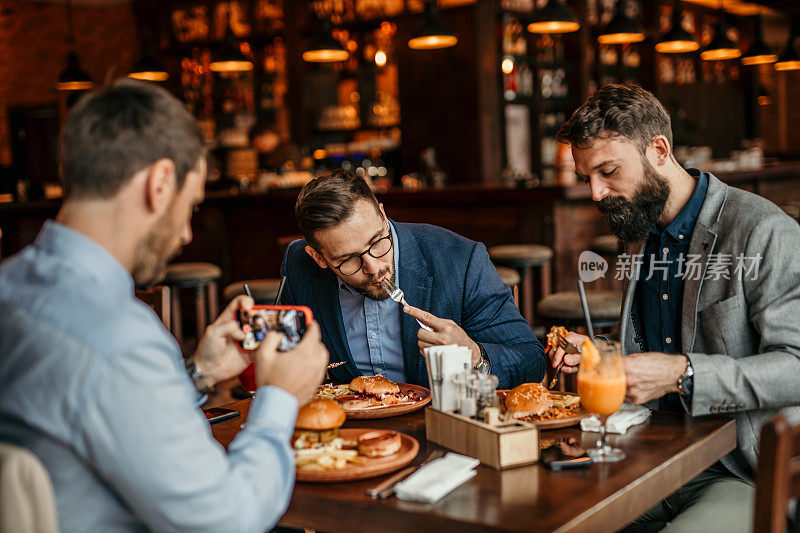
[328,201]
[115,132]
[618,111]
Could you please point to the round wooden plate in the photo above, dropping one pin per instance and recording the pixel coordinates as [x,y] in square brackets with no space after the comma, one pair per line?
[580,414]
[373,466]
[393,410]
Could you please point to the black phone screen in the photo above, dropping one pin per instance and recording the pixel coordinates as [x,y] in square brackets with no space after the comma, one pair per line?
[216,414]
[565,454]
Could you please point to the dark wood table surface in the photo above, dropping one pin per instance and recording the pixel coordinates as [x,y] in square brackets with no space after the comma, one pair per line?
[662,455]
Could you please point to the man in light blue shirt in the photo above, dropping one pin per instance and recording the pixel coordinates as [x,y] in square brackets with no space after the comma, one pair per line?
[90,380]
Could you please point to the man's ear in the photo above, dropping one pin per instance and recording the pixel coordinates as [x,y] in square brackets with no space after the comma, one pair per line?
[383,212]
[661,149]
[315,255]
[160,184]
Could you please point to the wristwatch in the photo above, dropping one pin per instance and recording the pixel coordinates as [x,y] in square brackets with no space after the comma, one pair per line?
[197,377]
[484,366]
[686,381]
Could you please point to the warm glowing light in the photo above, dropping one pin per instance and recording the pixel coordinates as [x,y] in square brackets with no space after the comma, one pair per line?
[720,54]
[759,60]
[325,56]
[620,38]
[553,26]
[677,47]
[320,154]
[507,66]
[764,100]
[149,75]
[432,42]
[380,58]
[74,85]
[787,65]
[231,66]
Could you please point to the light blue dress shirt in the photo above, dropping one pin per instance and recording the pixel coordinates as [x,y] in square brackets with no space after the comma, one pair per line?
[93,384]
[373,328]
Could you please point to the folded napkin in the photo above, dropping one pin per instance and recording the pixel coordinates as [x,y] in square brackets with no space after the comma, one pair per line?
[433,481]
[628,415]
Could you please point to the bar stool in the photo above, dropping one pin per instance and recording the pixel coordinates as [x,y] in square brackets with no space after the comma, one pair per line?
[524,258]
[202,277]
[264,290]
[564,309]
[607,247]
[510,277]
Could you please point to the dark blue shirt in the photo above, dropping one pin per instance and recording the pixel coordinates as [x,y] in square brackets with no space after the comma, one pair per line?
[660,288]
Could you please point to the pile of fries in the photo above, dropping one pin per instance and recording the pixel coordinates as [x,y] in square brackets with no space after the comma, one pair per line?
[333,391]
[565,401]
[322,459]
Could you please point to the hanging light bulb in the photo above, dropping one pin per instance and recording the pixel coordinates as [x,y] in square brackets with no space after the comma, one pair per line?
[622,29]
[554,17]
[677,40]
[432,33]
[73,77]
[230,57]
[759,53]
[721,47]
[380,58]
[507,65]
[325,48]
[148,69]
[789,58]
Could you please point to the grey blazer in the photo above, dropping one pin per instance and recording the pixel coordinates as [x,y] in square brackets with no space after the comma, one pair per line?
[742,335]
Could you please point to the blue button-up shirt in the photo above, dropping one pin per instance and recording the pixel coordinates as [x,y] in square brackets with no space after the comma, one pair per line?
[92,383]
[373,328]
[660,288]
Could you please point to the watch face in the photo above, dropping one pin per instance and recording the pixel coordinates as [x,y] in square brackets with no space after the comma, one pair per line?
[482,367]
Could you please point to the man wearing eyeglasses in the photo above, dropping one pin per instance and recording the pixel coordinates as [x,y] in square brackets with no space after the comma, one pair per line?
[350,246]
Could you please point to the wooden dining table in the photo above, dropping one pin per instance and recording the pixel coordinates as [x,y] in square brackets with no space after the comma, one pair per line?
[662,454]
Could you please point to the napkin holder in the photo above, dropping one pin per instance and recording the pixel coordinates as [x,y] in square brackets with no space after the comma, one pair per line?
[503,446]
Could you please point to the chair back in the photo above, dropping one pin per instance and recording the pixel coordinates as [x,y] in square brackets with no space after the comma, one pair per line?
[27,503]
[158,299]
[777,476]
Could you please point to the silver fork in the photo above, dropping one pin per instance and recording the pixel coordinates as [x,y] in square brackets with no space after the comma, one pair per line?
[564,344]
[386,489]
[397,295]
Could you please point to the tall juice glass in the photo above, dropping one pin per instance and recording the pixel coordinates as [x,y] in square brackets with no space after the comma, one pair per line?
[601,386]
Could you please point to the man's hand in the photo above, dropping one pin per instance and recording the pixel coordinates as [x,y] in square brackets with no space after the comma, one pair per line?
[445,331]
[651,375]
[299,371]
[571,360]
[218,354]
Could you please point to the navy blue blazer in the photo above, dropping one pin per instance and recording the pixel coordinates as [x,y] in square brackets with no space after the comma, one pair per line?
[443,273]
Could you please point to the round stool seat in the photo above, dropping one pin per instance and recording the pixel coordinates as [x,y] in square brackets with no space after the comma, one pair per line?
[566,306]
[521,255]
[264,291]
[191,274]
[605,244]
[509,276]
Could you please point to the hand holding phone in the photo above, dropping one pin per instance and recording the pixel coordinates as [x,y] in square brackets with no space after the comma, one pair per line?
[291,321]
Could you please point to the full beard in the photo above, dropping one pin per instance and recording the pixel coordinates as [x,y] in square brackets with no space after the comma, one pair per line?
[631,220]
[370,291]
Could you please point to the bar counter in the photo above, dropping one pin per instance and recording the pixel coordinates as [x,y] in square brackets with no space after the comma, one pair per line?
[245,234]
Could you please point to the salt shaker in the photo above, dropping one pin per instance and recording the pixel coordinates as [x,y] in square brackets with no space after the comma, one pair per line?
[484,386]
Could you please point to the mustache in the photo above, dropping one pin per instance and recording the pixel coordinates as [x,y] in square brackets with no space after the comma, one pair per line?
[609,204]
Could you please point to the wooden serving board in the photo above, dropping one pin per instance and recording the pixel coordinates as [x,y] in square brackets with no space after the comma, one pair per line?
[373,466]
[394,410]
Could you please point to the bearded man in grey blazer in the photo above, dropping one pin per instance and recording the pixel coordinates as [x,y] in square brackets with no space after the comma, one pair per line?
[711,317]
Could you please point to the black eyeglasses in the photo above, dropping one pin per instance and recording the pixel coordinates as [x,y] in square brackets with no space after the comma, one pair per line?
[377,249]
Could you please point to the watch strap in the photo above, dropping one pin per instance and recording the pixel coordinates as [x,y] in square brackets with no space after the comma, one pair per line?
[197,377]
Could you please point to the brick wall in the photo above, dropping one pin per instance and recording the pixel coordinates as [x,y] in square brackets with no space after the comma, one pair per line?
[33,47]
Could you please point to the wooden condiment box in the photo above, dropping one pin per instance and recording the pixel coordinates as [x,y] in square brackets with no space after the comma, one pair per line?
[511,444]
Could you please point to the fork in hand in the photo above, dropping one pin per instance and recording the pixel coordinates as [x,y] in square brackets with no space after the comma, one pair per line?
[397,295]
[568,347]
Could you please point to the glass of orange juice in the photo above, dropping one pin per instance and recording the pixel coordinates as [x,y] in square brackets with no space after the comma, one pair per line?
[601,386]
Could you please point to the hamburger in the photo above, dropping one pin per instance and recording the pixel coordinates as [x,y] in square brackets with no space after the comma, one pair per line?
[379,443]
[528,399]
[375,386]
[318,423]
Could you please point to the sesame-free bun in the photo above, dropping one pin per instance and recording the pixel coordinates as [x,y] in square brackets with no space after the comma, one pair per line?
[528,399]
[379,443]
[376,385]
[320,414]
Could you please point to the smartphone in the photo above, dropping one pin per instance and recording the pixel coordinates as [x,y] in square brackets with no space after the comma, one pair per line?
[565,454]
[291,320]
[216,414]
